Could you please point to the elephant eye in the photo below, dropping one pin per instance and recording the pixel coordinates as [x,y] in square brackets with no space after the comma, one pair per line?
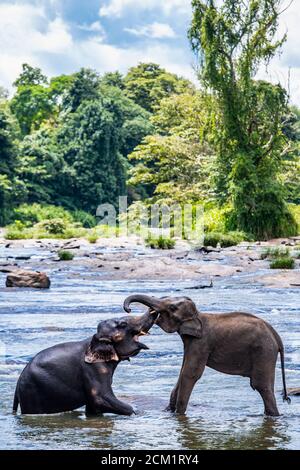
[123,324]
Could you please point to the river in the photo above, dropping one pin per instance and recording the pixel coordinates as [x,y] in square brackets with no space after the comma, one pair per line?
[223,413]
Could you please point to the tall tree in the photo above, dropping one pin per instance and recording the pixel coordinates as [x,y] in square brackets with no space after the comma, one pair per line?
[10,186]
[148,83]
[232,39]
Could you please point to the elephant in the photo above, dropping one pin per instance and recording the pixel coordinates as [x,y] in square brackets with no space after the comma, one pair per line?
[67,376]
[233,343]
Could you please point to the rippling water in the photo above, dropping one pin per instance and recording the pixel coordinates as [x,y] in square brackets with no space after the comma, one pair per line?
[224,412]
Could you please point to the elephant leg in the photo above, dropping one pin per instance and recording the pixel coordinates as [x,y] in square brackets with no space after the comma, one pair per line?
[174,393]
[188,379]
[269,402]
[263,382]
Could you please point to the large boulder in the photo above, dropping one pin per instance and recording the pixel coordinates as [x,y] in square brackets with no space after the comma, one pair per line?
[22,278]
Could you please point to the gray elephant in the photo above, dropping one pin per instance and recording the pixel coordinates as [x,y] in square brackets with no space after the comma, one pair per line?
[234,343]
[70,375]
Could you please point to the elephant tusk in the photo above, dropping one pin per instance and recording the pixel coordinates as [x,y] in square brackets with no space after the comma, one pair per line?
[143,333]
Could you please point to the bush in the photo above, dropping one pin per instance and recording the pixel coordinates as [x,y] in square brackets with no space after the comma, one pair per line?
[224,239]
[93,237]
[162,243]
[275,253]
[53,226]
[65,255]
[34,213]
[283,263]
[295,211]
[86,220]
[215,219]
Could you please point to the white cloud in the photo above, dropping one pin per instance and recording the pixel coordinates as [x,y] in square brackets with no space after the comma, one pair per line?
[93,27]
[118,8]
[154,30]
[27,35]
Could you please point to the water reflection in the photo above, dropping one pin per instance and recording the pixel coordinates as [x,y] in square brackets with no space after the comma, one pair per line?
[198,434]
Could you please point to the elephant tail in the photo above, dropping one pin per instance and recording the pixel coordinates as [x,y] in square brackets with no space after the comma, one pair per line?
[16,401]
[284,392]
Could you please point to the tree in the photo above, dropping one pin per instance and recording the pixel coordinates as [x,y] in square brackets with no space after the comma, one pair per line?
[232,40]
[10,186]
[4,94]
[84,86]
[90,147]
[30,76]
[174,163]
[32,105]
[147,84]
[42,168]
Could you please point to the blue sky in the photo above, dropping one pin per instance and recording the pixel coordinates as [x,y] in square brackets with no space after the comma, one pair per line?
[60,36]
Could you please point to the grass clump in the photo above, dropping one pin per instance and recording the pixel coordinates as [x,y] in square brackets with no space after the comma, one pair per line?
[93,237]
[162,243]
[283,263]
[275,253]
[224,239]
[65,255]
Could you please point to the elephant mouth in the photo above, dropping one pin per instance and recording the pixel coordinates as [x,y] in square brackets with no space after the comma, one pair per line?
[137,347]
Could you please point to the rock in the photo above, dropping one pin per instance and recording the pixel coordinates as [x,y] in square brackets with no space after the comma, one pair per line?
[208,249]
[7,268]
[22,278]
[203,286]
[293,391]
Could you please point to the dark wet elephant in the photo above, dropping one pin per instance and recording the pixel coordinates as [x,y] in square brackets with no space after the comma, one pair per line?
[234,343]
[70,375]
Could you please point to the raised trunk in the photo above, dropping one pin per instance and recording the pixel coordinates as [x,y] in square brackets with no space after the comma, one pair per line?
[151,302]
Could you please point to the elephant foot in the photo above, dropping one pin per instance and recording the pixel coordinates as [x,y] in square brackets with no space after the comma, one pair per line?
[170,408]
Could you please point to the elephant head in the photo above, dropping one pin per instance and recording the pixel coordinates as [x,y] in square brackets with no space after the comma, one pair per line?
[118,340]
[174,314]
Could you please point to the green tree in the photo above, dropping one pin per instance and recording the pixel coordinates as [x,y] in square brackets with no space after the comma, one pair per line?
[10,186]
[32,105]
[42,168]
[232,40]
[84,86]
[148,83]
[175,163]
[90,147]
[30,76]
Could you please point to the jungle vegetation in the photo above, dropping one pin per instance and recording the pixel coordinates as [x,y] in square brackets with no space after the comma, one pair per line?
[72,142]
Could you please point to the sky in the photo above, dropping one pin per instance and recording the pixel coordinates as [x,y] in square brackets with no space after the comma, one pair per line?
[61,36]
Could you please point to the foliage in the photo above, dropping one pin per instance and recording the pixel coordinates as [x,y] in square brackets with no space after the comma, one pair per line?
[232,41]
[84,218]
[215,218]
[65,255]
[275,253]
[174,161]
[30,214]
[10,186]
[53,226]
[224,239]
[148,83]
[93,237]
[90,148]
[161,242]
[283,263]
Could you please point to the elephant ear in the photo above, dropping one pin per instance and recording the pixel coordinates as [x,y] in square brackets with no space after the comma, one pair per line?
[100,350]
[191,327]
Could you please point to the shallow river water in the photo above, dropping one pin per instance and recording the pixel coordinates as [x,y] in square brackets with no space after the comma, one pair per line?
[224,412]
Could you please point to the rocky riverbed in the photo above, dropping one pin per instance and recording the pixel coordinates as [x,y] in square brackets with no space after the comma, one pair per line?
[127,258]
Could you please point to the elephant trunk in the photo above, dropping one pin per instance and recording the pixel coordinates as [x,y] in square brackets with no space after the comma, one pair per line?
[151,302]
